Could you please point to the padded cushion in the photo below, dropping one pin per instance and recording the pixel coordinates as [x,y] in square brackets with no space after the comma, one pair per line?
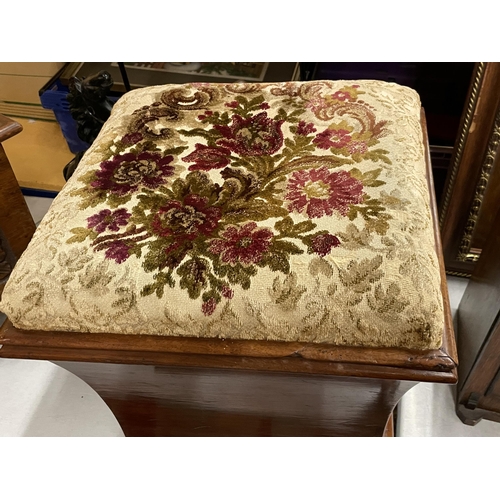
[283,211]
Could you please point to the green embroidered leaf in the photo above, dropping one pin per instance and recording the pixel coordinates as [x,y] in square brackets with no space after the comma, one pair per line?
[257,210]
[284,225]
[236,274]
[372,213]
[256,101]
[199,132]
[368,178]
[286,247]
[175,151]
[81,234]
[287,228]
[151,201]
[276,261]
[194,276]
[161,279]
[376,155]
[211,294]
[87,178]
[281,114]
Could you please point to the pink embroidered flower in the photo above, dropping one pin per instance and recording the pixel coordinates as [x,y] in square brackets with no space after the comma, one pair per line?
[358,147]
[106,219]
[118,251]
[246,244]
[208,307]
[128,172]
[316,104]
[323,244]
[320,192]
[342,96]
[332,139]
[254,136]
[305,128]
[207,158]
[227,292]
[185,221]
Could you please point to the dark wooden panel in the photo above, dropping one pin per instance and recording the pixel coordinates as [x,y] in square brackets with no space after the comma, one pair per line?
[16,222]
[461,191]
[479,334]
[151,401]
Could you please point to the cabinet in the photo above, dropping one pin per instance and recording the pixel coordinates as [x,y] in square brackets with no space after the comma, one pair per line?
[478,394]
[472,192]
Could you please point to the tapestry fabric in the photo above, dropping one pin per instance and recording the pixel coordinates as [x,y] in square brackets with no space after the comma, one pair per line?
[295,211]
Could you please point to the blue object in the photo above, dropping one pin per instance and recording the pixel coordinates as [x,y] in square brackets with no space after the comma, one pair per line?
[54,98]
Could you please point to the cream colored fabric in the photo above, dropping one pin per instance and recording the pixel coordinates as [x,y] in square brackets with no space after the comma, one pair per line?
[291,211]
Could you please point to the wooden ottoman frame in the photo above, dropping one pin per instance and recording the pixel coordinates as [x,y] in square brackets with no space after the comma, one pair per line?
[172,386]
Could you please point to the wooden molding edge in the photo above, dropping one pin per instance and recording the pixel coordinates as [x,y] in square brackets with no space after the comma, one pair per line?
[8,128]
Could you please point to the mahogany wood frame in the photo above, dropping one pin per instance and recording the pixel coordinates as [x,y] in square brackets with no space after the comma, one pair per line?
[171,386]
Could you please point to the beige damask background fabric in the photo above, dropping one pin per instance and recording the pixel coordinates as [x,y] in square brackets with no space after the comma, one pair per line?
[291,211]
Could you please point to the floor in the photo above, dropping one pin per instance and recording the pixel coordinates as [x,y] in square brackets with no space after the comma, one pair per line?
[55,402]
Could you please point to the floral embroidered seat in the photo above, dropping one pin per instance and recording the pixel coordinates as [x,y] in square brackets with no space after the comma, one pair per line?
[279,211]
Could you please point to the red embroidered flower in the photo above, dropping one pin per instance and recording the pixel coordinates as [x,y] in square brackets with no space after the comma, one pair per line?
[227,292]
[358,147]
[127,172]
[185,221]
[106,219]
[246,244]
[207,158]
[132,138]
[232,104]
[319,192]
[264,105]
[323,244]
[118,251]
[254,136]
[305,128]
[332,139]
[208,307]
[205,115]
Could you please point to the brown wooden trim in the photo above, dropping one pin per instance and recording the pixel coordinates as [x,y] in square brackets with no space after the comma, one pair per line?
[464,128]
[277,365]
[449,347]
[8,128]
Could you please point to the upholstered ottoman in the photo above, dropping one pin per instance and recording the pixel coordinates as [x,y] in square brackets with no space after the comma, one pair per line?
[290,214]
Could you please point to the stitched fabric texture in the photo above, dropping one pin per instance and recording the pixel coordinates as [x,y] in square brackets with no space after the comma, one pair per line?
[293,211]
